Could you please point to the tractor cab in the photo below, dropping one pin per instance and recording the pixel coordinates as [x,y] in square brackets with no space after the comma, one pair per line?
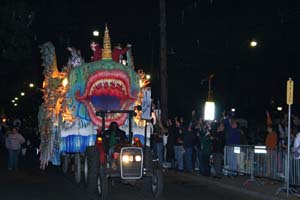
[126,161]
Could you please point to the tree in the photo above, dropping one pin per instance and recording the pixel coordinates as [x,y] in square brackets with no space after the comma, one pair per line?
[163,61]
[16,36]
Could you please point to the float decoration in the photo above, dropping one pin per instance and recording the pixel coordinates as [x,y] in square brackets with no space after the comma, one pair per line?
[67,119]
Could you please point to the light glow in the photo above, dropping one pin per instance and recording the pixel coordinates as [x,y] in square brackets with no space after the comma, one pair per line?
[138,158]
[209,111]
[99,140]
[65,82]
[260,149]
[279,108]
[237,150]
[22,94]
[148,77]
[96,33]
[253,43]
[125,158]
[16,98]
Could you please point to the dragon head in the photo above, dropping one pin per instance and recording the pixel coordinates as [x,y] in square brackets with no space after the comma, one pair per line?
[108,86]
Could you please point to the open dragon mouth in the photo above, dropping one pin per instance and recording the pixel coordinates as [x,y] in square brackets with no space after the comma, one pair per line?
[107,90]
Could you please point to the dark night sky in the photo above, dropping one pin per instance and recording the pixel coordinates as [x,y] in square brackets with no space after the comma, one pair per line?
[205,36]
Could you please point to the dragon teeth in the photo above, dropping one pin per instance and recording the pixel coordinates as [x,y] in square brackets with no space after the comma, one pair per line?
[110,83]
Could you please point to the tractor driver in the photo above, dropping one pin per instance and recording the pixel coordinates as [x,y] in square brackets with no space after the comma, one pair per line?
[113,137]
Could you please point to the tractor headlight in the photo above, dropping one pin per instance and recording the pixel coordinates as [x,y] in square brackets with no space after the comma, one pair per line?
[138,158]
[125,158]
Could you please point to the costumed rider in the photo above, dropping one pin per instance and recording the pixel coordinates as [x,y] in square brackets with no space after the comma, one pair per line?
[113,139]
[75,58]
[97,51]
[118,52]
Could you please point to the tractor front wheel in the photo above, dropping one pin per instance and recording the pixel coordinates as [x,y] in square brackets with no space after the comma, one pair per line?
[103,185]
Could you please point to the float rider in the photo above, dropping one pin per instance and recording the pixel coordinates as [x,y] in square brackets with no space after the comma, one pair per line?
[113,137]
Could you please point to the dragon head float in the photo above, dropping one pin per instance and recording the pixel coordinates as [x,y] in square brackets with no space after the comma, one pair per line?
[67,117]
[103,85]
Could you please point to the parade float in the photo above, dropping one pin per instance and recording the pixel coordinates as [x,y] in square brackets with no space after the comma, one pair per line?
[68,120]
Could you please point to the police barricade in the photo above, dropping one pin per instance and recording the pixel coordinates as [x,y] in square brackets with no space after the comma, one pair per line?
[257,161]
[237,160]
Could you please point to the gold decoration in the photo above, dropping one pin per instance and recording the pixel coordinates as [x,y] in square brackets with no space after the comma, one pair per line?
[106,53]
[144,82]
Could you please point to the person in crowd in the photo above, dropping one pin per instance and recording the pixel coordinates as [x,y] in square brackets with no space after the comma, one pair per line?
[152,137]
[194,127]
[218,144]
[244,140]
[233,138]
[296,145]
[13,143]
[234,134]
[199,132]
[178,145]
[170,143]
[271,139]
[271,145]
[158,133]
[1,135]
[205,148]
[188,147]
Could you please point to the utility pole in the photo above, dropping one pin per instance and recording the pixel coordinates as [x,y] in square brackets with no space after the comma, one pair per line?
[163,61]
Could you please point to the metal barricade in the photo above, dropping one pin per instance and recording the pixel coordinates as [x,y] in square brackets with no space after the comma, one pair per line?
[237,160]
[257,161]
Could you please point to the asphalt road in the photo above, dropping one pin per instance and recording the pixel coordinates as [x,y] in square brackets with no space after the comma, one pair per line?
[51,184]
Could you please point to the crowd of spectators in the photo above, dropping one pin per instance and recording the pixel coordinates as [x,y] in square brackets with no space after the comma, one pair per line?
[197,146]
[19,141]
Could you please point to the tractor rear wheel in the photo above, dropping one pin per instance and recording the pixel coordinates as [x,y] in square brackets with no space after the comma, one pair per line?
[77,170]
[92,165]
[65,160]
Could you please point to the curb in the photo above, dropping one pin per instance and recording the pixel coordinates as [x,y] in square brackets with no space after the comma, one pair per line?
[233,188]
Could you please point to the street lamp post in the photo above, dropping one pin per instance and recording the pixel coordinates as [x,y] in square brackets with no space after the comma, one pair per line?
[209,108]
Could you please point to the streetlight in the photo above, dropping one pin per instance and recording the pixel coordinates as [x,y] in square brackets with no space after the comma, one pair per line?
[22,94]
[16,98]
[95,33]
[15,104]
[209,108]
[209,111]
[253,43]
[13,101]
[31,85]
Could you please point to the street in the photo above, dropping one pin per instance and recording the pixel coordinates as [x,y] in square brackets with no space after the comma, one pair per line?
[52,184]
